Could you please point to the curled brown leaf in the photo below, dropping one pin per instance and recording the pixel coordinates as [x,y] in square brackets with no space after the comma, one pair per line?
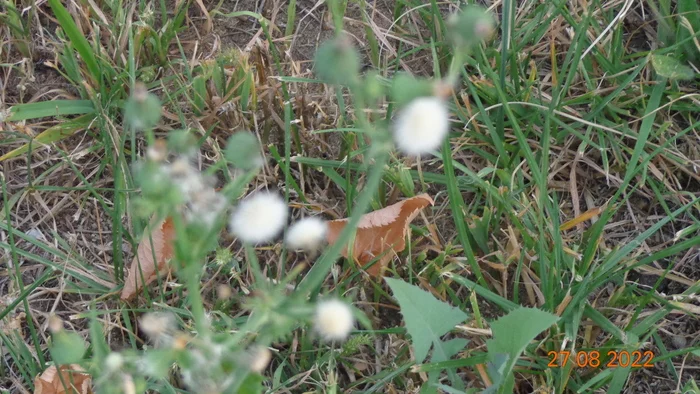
[144,268]
[67,379]
[380,233]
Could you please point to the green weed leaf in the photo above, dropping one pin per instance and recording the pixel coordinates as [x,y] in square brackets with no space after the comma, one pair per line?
[67,347]
[511,335]
[671,68]
[427,318]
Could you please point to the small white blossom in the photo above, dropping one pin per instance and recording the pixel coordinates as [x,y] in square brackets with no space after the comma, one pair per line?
[206,206]
[158,326]
[186,178]
[333,320]
[157,152]
[422,126]
[307,234]
[114,361]
[259,218]
[259,359]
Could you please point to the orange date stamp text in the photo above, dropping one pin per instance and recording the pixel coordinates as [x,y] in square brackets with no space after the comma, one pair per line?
[592,359]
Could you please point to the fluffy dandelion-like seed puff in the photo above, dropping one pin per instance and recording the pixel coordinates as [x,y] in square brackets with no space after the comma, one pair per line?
[422,126]
[307,234]
[333,320]
[259,358]
[259,218]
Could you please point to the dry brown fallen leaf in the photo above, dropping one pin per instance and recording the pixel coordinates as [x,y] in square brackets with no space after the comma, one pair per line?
[72,379]
[163,236]
[382,232]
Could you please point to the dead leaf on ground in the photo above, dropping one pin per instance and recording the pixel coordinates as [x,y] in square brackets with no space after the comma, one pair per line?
[12,323]
[380,233]
[71,379]
[144,264]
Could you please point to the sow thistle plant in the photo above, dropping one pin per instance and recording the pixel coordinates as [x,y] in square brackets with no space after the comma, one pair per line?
[208,352]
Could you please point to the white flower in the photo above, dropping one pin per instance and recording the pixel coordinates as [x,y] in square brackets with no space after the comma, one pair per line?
[307,234]
[422,126]
[259,218]
[333,320]
[186,178]
[206,207]
[157,325]
[114,361]
[259,358]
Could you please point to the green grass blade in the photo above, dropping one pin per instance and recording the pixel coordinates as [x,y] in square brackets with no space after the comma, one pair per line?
[43,109]
[76,37]
[52,134]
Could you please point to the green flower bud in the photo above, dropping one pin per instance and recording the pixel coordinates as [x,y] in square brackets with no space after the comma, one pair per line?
[470,26]
[337,62]
[142,110]
[243,151]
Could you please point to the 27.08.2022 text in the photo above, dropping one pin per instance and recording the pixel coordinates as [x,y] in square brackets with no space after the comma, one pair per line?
[583,359]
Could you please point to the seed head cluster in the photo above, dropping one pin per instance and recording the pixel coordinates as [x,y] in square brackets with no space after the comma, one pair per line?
[307,234]
[421,126]
[333,320]
[259,218]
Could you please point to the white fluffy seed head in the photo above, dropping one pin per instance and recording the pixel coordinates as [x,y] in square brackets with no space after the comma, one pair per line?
[422,126]
[308,234]
[114,361]
[186,177]
[206,207]
[259,359]
[333,320]
[259,218]
[157,325]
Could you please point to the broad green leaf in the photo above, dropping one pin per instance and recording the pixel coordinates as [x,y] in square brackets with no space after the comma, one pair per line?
[497,371]
[427,318]
[670,67]
[450,348]
[443,351]
[514,331]
[50,108]
[511,335]
[67,347]
[52,134]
